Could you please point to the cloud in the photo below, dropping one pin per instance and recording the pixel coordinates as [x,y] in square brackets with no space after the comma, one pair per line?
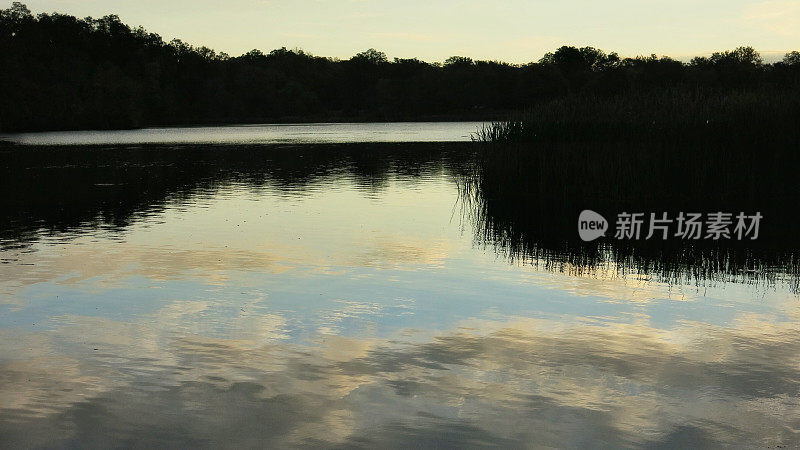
[781,17]
[407,37]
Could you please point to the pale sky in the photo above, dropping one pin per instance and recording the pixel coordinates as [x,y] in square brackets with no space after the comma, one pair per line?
[512,30]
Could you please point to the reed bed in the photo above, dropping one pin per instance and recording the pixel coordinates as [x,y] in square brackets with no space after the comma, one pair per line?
[670,116]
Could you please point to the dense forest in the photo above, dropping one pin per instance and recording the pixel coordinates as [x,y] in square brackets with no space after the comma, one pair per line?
[62,72]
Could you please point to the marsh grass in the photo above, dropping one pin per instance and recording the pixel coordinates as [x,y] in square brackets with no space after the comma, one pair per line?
[678,116]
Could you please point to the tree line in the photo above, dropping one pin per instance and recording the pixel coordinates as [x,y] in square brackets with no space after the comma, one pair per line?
[62,72]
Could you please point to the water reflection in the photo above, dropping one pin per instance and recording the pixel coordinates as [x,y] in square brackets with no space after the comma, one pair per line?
[516,382]
[308,133]
[333,296]
[525,202]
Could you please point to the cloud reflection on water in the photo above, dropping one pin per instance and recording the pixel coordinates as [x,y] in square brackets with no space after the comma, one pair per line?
[357,312]
[514,381]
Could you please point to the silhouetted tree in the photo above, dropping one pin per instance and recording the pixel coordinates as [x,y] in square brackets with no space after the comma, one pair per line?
[792,58]
[458,61]
[61,72]
[370,56]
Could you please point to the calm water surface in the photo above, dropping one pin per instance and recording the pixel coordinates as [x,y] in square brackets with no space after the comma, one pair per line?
[337,298]
[260,134]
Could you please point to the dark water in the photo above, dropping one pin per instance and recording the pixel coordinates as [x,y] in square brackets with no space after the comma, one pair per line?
[354,295]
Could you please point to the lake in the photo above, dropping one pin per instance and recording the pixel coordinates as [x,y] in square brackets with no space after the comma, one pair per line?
[348,295]
[302,133]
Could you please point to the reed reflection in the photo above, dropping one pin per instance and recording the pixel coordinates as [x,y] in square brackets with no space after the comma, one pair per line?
[524,199]
[331,295]
[522,202]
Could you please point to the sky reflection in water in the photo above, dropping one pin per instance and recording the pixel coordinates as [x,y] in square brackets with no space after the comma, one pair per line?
[306,133]
[350,314]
